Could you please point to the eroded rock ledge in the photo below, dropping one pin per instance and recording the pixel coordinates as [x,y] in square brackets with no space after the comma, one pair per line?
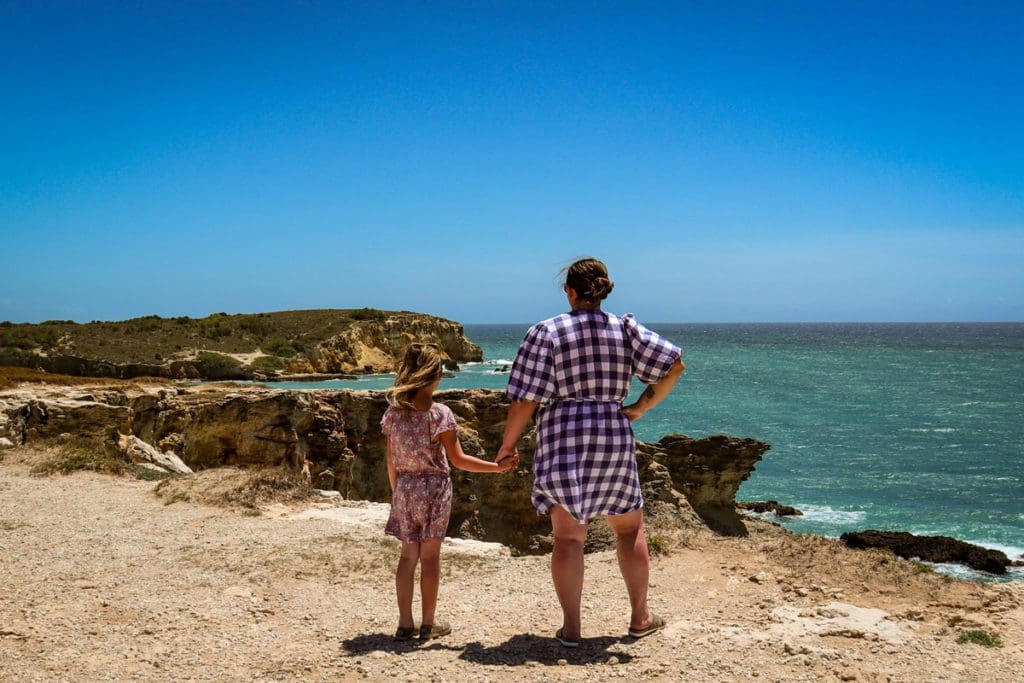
[336,435]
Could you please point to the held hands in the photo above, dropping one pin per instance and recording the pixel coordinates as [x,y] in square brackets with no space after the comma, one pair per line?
[508,459]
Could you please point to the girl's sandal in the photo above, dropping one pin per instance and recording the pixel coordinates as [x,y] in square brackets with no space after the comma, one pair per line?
[405,632]
[428,631]
[566,642]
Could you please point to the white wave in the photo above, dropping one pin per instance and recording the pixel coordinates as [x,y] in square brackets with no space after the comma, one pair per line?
[827,515]
[930,430]
[492,362]
[961,571]
[1014,552]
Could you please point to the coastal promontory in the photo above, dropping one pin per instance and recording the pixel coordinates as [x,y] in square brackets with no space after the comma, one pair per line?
[223,346]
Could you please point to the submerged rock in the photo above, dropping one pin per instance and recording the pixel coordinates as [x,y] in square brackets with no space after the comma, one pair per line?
[762,506]
[930,549]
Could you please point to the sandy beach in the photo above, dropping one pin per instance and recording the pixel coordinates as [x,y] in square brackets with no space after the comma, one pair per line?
[104,580]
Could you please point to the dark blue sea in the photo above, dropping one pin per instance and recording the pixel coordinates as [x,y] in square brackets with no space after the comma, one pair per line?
[916,427]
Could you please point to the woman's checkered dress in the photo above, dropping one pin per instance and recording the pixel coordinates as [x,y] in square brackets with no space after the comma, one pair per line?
[578,366]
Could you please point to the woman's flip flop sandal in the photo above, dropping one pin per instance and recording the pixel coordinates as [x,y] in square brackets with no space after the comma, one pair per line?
[657,623]
[566,642]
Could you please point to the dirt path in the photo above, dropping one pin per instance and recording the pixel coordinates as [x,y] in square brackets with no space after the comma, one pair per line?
[103,581]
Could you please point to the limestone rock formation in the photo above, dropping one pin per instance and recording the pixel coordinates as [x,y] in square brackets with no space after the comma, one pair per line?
[335,435]
[138,451]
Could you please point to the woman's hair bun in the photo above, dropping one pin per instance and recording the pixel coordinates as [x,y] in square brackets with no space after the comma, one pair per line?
[589,277]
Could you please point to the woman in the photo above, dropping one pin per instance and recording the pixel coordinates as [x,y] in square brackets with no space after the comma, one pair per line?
[576,368]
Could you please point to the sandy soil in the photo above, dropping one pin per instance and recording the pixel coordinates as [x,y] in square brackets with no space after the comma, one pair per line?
[104,581]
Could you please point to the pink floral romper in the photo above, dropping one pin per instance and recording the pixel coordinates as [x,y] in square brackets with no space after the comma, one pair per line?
[422,500]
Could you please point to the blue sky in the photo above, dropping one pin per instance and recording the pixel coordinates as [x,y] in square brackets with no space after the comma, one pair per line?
[748,161]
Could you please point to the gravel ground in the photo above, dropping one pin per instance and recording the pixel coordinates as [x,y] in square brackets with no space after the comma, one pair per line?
[104,581]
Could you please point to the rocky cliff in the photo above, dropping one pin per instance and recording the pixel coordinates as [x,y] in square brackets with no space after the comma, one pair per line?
[222,346]
[336,435]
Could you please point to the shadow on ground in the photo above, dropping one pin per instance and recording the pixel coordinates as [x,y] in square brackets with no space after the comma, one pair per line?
[385,642]
[516,651]
[522,649]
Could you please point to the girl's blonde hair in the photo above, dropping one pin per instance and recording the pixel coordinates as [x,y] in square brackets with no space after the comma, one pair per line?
[421,366]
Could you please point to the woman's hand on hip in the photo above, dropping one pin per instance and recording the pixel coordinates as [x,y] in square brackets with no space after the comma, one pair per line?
[633,411]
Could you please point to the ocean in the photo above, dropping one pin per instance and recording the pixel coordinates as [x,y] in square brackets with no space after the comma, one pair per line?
[914,427]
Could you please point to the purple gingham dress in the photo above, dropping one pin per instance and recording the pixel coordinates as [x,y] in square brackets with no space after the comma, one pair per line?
[578,366]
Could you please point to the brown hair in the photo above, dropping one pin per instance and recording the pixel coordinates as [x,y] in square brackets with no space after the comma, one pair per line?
[421,366]
[589,277]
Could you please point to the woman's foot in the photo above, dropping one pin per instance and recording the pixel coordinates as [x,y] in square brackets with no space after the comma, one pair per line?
[428,631]
[656,624]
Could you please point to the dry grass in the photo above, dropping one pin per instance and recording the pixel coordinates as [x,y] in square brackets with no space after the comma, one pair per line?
[69,458]
[237,488]
[12,376]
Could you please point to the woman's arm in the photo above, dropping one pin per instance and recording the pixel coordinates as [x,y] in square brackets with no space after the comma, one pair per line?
[519,414]
[392,474]
[452,446]
[654,393]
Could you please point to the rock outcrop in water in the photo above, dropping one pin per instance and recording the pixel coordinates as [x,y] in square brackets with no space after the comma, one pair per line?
[221,346]
[336,434]
[930,549]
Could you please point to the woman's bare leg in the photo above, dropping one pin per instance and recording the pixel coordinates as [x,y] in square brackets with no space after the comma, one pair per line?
[404,582]
[567,567]
[634,563]
[430,577]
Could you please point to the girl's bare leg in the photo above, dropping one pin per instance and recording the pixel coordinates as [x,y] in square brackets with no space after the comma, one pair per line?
[430,577]
[404,582]
[567,568]
[634,563]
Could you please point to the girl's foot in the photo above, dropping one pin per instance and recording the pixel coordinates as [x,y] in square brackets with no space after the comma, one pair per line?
[405,632]
[428,631]
[566,642]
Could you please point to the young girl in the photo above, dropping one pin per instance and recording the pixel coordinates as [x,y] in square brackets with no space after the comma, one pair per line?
[417,429]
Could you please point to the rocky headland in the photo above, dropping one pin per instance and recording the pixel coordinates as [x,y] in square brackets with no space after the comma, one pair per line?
[260,346]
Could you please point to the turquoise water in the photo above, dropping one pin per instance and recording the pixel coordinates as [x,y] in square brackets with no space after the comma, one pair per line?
[885,426]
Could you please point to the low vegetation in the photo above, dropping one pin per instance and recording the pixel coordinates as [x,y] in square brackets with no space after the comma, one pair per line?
[13,376]
[68,458]
[153,339]
[979,637]
[232,487]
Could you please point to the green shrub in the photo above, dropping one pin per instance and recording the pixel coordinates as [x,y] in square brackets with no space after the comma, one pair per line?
[285,348]
[367,314]
[657,545]
[255,326]
[268,363]
[980,637]
[218,366]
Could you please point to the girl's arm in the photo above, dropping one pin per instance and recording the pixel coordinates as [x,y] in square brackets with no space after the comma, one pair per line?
[654,393]
[519,414]
[452,446]
[392,474]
